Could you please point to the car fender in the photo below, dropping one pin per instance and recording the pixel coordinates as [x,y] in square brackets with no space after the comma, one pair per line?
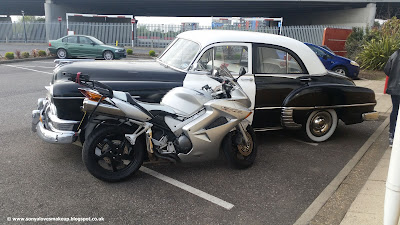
[349,101]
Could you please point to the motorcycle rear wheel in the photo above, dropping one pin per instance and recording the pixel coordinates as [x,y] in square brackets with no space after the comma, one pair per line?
[240,156]
[109,156]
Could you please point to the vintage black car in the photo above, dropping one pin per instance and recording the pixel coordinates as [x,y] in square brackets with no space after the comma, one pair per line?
[287,83]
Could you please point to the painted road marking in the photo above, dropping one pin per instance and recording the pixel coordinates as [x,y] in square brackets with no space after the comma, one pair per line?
[28,69]
[45,67]
[188,188]
[320,201]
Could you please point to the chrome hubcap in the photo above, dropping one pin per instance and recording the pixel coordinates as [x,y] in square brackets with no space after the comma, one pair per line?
[341,71]
[61,54]
[321,123]
[246,150]
[108,56]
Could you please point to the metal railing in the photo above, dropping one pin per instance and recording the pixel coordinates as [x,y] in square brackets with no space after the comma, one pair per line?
[145,35]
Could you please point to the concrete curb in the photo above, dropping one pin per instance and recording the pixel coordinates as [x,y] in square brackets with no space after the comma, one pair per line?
[321,200]
[25,60]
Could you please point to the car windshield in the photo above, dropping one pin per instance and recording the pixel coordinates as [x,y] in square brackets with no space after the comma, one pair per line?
[180,54]
[97,41]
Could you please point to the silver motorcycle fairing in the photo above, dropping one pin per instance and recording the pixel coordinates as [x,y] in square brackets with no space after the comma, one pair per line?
[131,111]
[206,142]
[186,101]
[176,125]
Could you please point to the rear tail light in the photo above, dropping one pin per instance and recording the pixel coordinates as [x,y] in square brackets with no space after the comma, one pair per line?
[49,44]
[94,96]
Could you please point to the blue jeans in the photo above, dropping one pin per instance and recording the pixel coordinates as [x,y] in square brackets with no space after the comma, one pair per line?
[393,115]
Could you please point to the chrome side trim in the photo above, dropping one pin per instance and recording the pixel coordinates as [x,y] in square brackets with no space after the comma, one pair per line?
[267,129]
[269,108]
[316,107]
[287,119]
[283,75]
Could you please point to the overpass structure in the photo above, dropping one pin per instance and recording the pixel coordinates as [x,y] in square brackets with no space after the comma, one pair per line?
[295,12]
[354,13]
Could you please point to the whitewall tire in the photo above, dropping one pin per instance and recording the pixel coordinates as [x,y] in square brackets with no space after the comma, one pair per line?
[320,125]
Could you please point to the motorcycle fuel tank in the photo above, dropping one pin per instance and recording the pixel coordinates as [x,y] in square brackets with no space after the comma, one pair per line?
[186,101]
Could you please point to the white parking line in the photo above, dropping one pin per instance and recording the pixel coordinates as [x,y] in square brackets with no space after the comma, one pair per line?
[188,188]
[27,69]
[45,67]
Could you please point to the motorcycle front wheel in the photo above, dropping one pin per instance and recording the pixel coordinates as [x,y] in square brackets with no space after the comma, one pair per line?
[240,155]
[109,156]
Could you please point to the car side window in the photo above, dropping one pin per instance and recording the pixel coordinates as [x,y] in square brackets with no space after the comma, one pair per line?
[85,40]
[275,61]
[65,39]
[73,39]
[232,56]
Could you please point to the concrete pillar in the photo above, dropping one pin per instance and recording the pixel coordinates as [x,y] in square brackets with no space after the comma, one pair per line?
[371,12]
[52,12]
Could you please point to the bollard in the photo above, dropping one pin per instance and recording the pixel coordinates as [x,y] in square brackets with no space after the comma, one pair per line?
[392,196]
[116,43]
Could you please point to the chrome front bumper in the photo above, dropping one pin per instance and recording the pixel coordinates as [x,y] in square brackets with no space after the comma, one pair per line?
[49,127]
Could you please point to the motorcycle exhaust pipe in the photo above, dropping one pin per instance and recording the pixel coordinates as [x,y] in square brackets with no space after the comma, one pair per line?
[89,106]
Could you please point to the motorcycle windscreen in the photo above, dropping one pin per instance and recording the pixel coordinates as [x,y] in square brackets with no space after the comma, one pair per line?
[232,55]
[197,81]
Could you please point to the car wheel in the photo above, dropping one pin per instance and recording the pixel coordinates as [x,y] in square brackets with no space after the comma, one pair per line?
[108,55]
[340,70]
[240,156]
[62,53]
[320,125]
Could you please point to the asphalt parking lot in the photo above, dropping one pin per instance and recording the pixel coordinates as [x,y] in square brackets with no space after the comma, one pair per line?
[44,180]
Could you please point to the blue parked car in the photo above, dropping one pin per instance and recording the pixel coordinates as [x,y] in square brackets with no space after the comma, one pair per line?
[334,62]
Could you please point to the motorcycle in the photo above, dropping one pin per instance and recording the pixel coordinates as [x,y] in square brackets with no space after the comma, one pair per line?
[188,125]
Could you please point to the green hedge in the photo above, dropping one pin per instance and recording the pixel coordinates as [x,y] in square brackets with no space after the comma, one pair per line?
[152,53]
[25,55]
[9,55]
[42,53]
[129,51]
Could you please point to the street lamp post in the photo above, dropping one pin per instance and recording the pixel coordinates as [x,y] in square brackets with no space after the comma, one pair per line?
[23,20]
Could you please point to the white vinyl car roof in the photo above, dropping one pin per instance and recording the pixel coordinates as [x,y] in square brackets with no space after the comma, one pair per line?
[207,37]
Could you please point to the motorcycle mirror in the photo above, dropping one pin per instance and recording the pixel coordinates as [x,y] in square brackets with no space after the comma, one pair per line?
[242,71]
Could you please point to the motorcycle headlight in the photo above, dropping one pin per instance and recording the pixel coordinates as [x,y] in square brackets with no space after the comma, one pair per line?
[354,63]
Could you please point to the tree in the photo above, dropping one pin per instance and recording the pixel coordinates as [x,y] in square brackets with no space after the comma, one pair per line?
[32,19]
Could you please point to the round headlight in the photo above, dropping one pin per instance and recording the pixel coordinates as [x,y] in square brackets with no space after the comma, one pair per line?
[354,63]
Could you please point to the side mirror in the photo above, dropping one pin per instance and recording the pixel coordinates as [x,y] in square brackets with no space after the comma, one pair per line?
[242,71]
[93,43]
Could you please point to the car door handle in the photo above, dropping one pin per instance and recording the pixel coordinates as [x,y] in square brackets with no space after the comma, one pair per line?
[246,79]
[305,79]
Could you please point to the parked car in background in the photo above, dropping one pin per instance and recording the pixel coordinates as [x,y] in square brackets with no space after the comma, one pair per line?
[84,46]
[335,62]
[288,86]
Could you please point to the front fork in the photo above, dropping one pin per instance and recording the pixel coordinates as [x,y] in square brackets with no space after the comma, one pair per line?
[241,129]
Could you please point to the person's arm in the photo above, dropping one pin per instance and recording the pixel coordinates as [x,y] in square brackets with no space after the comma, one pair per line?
[388,66]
